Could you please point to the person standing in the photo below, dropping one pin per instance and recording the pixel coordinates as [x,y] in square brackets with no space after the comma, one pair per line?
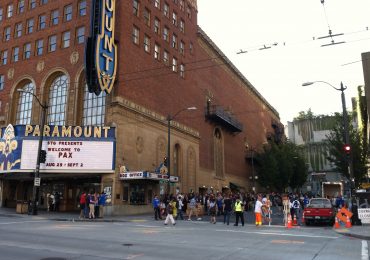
[238,208]
[102,201]
[258,211]
[156,203]
[296,209]
[193,208]
[212,209]
[82,205]
[227,208]
[91,206]
[180,209]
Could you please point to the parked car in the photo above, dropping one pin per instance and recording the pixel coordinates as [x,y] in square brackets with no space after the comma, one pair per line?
[319,210]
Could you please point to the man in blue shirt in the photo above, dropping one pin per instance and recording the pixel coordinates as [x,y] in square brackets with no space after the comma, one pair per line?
[156,202]
[101,202]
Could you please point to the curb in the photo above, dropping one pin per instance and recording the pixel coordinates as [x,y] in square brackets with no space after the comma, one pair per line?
[350,234]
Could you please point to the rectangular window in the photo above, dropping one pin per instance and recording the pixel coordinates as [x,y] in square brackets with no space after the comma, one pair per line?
[166,10]
[188,11]
[136,35]
[30,25]
[147,16]
[39,47]
[54,17]
[174,41]
[157,52]
[166,34]
[2,82]
[66,39]
[182,47]
[182,70]
[27,51]
[82,8]
[1,14]
[10,10]
[174,64]
[146,43]
[191,48]
[32,4]
[182,26]
[157,4]
[18,30]
[7,33]
[20,6]
[174,18]
[182,5]
[4,57]
[135,9]
[43,2]
[68,13]
[80,35]
[42,22]
[52,43]
[157,26]
[15,54]
[166,58]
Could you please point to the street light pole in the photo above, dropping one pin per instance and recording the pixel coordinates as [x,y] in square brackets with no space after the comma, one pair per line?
[169,119]
[345,123]
[44,107]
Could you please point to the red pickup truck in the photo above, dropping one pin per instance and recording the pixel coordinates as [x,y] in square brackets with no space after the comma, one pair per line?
[319,210]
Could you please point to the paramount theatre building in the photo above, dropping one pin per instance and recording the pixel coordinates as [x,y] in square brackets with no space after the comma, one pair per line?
[121,85]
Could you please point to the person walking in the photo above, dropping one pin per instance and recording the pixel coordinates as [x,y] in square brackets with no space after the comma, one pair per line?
[193,208]
[227,208]
[169,217]
[258,211]
[238,208]
[156,207]
[92,205]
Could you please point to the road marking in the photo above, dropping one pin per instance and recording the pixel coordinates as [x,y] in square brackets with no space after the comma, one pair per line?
[287,242]
[364,251]
[22,222]
[277,234]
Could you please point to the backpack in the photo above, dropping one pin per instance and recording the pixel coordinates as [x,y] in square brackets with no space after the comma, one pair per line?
[212,207]
[296,204]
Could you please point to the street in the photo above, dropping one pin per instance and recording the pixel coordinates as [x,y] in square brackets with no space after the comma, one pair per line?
[37,238]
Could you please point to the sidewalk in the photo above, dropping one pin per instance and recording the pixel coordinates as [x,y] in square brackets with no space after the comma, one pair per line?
[361,232]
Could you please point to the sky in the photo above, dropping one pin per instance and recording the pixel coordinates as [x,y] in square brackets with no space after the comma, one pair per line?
[292,28]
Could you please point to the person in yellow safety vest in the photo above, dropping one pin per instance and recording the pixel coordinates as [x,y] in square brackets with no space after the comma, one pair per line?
[258,211]
[238,208]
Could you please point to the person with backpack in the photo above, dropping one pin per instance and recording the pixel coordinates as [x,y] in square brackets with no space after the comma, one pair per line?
[169,209]
[212,209]
[295,206]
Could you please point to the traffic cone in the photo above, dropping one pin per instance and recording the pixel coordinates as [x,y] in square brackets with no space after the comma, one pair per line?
[348,223]
[289,224]
[295,221]
[336,224]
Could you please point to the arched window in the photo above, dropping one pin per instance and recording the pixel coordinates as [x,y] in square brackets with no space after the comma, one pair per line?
[24,110]
[57,101]
[94,108]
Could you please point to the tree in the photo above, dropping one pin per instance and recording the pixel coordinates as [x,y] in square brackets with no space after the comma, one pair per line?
[358,152]
[281,166]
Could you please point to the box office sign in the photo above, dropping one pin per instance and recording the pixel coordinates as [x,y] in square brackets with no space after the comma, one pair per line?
[71,148]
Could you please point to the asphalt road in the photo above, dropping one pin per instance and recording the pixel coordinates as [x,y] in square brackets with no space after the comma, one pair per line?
[45,239]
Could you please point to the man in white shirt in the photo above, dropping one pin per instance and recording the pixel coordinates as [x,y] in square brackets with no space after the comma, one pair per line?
[258,211]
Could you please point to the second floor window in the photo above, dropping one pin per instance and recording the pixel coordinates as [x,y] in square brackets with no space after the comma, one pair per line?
[93,108]
[7,33]
[25,105]
[68,13]
[82,8]
[39,47]
[27,51]
[174,64]
[30,25]
[157,52]
[4,57]
[2,82]
[80,35]
[15,54]
[57,100]
[52,43]
[1,14]
[166,58]
[135,35]
[66,39]
[146,43]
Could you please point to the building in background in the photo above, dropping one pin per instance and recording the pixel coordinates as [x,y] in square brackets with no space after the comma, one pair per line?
[164,63]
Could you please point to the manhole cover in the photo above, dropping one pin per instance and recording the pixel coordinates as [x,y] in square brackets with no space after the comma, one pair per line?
[127,244]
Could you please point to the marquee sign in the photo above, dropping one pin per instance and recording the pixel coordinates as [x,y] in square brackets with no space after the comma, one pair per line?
[68,148]
[139,175]
[101,50]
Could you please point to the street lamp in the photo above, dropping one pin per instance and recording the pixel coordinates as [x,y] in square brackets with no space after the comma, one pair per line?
[345,121]
[36,183]
[169,119]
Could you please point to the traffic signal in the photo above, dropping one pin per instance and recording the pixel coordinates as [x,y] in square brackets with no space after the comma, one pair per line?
[42,156]
[347,149]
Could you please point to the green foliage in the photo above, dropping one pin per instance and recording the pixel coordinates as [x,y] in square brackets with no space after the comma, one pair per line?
[281,166]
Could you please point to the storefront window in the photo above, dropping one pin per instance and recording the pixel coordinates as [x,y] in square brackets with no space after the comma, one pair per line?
[137,194]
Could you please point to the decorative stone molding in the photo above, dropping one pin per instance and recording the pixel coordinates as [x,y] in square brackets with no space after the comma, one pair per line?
[74,57]
[40,66]
[11,73]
